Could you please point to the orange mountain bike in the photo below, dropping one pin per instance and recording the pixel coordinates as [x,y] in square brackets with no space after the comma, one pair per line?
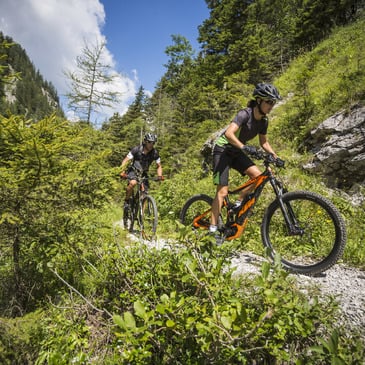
[303,227]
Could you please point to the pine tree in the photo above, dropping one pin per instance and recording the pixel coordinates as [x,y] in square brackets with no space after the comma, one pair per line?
[90,83]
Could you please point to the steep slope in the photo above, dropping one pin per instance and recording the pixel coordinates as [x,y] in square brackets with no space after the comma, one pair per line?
[27,93]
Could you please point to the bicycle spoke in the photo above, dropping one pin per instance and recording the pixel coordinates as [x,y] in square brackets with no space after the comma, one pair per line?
[198,206]
[315,239]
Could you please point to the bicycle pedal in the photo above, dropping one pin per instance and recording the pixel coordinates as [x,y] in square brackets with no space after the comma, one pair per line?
[230,231]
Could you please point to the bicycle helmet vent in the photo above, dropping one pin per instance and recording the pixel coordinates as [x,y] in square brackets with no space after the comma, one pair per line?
[266,91]
[150,137]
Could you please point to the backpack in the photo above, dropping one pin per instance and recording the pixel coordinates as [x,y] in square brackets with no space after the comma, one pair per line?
[207,150]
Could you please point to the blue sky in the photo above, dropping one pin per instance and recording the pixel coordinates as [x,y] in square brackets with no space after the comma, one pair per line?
[136,32]
[139,31]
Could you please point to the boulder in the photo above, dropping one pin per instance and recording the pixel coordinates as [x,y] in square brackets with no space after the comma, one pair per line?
[338,145]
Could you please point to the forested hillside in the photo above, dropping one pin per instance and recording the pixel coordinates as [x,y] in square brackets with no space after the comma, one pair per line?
[23,90]
[76,288]
[243,43]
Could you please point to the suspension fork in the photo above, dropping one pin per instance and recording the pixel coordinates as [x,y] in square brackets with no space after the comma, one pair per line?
[288,212]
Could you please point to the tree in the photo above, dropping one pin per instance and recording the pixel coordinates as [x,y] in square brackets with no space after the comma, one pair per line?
[52,172]
[180,57]
[23,90]
[127,130]
[90,83]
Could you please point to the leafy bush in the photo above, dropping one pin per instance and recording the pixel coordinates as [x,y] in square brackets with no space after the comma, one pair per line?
[183,304]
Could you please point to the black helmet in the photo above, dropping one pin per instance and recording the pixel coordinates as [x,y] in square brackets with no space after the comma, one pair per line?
[266,91]
[150,137]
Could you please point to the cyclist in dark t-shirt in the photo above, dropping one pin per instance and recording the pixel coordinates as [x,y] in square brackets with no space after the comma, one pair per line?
[230,149]
[140,157]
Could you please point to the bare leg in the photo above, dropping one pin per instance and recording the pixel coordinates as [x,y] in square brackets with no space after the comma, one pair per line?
[252,172]
[221,193]
[129,189]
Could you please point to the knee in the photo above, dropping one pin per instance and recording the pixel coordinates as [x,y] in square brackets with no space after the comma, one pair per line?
[222,193]
[132,184]
[253,172]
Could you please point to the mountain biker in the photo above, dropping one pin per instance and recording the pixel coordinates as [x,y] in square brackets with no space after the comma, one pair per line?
[141,158]
[230,149]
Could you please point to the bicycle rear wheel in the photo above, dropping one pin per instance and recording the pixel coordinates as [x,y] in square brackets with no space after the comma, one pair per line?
[197,212]
[317,238]
[148,218]
[197,205]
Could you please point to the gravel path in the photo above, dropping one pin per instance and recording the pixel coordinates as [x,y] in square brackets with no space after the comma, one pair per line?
[346,284]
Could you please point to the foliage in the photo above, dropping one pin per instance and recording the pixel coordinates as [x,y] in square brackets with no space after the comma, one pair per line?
[329,78]
[6,75]
[19,338]
[182,305]
[264,36]
[22,88]
[49,180]
[83,291]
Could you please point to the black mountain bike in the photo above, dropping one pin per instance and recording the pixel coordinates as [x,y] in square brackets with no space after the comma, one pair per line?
[142,209]
[304,228]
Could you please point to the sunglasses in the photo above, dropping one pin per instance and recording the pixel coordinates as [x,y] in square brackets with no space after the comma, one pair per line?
[270,102]
[150,142]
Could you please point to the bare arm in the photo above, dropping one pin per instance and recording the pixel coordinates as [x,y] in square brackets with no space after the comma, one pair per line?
[231,137]
[159,169]
[264,143]
[126,161]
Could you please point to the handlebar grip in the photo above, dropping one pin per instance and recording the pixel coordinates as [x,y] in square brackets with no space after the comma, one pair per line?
[279,162]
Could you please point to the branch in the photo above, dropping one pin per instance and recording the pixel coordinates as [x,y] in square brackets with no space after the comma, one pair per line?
[78,293]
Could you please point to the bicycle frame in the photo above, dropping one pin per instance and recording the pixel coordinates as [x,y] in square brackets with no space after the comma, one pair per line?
[234,227]
[143,209]
[255,186]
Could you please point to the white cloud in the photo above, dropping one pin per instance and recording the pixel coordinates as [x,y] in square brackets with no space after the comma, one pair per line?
[54,32]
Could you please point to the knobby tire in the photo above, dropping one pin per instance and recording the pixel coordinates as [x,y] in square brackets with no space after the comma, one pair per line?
[148,218]
[129,216]
[319,241]
[195,206]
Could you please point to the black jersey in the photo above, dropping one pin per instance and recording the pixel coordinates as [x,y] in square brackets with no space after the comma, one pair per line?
[144,160]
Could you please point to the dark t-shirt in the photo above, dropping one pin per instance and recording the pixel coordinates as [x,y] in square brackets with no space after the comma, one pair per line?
[249,127]
[143,160]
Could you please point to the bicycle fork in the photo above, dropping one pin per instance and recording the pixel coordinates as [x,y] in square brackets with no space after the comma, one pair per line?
[287,210]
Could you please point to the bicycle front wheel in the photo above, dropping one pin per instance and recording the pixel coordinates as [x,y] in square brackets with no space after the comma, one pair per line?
[148,218]
[307,232]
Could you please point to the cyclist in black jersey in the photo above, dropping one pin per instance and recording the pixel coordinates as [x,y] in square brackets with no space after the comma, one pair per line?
[231,151]
[140,157]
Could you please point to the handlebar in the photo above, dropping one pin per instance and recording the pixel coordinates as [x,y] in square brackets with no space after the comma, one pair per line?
[268,159]
[141,177]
